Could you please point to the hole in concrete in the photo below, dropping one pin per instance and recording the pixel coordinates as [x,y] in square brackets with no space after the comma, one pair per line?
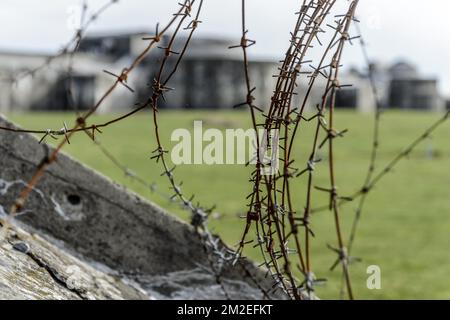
[74,199]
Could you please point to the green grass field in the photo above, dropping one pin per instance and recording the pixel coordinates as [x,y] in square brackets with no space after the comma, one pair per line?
[406,224]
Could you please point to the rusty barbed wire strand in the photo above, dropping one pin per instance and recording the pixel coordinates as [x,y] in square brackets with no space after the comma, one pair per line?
[334,196]
[95,128]
[375,136]
[71,58]
[281,105]
[254,111]
[153,187]
[269,244]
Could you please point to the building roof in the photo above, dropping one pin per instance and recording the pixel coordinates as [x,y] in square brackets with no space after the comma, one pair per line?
[201,47]
[402,70]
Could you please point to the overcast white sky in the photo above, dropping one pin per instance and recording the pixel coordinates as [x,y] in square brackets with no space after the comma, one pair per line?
[394,29]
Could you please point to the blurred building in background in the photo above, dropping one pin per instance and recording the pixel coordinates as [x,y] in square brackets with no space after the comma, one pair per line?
[210,76]
[399,86]
[409,90]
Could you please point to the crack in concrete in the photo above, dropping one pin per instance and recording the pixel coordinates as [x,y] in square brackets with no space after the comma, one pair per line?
[55,275]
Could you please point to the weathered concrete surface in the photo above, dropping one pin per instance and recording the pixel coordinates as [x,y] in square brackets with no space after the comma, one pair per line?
[196,283]
[32,268]
[102,222]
